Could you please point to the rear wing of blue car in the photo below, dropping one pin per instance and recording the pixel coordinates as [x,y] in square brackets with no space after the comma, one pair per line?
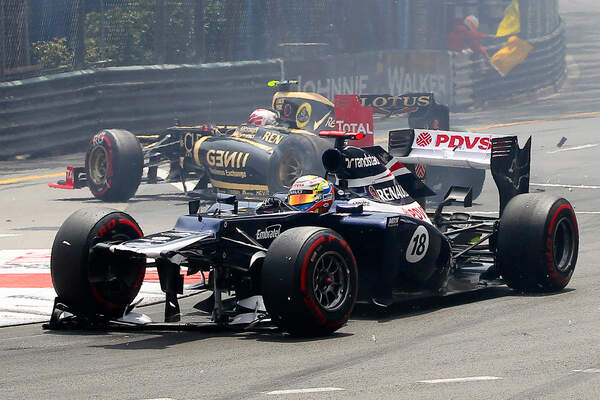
[509,164]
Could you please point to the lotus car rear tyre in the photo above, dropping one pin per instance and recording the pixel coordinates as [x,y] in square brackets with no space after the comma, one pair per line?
[309,281]
[88,282]
[114,164]
[538,241]
[296,156]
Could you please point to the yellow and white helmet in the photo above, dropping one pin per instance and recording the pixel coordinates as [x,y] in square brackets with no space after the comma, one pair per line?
[311,193]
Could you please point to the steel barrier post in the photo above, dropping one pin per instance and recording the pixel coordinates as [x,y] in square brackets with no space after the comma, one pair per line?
[2,42]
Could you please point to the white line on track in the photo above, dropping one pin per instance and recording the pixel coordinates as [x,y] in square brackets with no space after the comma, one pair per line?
[2,235]
[309,390]
[585,146]
[565,186]
[588,371]
[162,398]
[461,380]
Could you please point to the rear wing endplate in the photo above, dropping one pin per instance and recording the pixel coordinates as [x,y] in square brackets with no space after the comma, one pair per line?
[510,167]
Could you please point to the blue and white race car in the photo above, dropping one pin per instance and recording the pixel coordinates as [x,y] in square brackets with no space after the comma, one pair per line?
[280,261]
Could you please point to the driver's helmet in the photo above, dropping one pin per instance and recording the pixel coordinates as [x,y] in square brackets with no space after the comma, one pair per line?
[472,22]
[262,117]
[311,193]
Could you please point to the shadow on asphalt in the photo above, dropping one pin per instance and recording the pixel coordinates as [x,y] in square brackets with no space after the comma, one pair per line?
[195,325]
[150,339]
[427,305]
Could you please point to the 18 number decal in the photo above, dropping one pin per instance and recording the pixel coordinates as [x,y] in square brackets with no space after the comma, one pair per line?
[418,245]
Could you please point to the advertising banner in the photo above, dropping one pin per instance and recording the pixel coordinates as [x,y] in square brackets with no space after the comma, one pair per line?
[390,72]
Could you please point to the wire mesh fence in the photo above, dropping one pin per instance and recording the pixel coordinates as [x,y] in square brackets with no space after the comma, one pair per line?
[44,36]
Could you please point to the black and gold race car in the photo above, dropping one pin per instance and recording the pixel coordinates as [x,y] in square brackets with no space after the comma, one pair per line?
[244,159]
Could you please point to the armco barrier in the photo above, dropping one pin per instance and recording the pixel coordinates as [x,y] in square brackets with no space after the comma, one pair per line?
[477,82]
[41,114]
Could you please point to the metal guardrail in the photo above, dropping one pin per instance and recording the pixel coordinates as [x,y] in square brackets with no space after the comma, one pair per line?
[63,111]
[476,82]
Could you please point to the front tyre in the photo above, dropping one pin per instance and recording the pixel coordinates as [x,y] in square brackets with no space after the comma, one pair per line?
[309,281]
[88,282]
[114,164]
[538,243]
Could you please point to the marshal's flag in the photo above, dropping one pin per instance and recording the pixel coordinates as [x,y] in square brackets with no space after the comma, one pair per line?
[511,23]
[514,52]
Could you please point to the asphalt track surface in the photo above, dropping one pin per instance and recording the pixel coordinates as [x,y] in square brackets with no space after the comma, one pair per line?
[493,344]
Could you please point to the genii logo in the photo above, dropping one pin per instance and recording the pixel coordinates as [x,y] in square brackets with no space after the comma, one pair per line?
[270,232]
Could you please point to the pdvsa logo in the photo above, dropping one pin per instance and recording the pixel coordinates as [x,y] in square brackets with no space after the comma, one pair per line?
[424,139]
[468,142]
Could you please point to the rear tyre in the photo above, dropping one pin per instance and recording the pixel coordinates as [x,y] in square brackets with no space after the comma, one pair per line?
[538,242]
[309,281]
[114,164]
[91,283]
[296,156]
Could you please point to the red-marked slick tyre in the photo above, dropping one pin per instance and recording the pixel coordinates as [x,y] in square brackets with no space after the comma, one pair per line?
[114,164]
[309,281]
[538,243]
[90,282]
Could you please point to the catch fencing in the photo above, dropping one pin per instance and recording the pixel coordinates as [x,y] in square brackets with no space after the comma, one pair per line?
[41,37]
[62,111]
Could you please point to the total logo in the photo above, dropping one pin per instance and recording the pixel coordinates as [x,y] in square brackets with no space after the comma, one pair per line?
[365,128]
[270,232]
[451,141]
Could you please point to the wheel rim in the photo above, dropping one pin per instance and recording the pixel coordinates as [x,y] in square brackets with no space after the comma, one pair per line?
[98,165]
[563,247]
[290,169]
[331,281]
[123,277]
